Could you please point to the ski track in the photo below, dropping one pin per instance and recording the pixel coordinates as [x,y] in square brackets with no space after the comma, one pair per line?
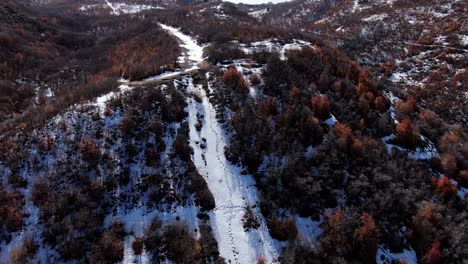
[232,191]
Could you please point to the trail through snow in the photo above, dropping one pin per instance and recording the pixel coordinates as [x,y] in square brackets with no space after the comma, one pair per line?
[109,4]
[232,191]
[190,59]
[192,53]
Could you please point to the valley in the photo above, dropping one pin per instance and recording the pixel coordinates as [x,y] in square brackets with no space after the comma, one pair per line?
[153,131]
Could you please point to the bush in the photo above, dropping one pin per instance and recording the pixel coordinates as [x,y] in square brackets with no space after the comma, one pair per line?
[223,52]
[127,124]
[209,245]
[180,244]
[406,134]
[434,254]
[24,252]
[368,237]
[137,246]
[89,150]
[405,109]
[110,249]
[283,230]
[203,196]
[444,186]
[255,79]
[11,218]
[152,238]
[449,164]
[249,220]
[299,254]
[232,78]
[321,106]
[181,145]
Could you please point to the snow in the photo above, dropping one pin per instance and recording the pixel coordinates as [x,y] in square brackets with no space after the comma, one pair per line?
[385,256]
[308,229]
[256,2]
[426,153]
[231,190]
[309,152]
[259,14]
[375,18]
[331,121]
[464,40]
[340,29]
[167,74]
[140,217]
[272,45]
[120,8]
[193,53]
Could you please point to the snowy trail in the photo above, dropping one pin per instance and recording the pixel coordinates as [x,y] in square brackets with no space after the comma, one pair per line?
[109,4]
[190,59]
[192,53]
[231,190]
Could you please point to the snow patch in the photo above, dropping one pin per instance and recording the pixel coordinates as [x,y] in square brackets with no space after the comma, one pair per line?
[375,18]
[120,8]
[385,256]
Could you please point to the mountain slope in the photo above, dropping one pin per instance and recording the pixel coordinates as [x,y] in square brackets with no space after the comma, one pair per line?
[204,135]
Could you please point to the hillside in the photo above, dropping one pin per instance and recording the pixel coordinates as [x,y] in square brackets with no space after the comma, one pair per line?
[187,132]
[415,46]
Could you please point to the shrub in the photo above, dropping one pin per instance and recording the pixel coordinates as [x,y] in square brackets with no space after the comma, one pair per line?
[449,164]
[368,229]
[250,220]
[152,237]
[222,52]
[321,106]
[209,245]
[11,218]
[405,109]
[261,260]
[366,82]
[434,254]
[283,230]
[381,103]
[367,235]
[203,196]
[445,187]
[24,252]
[232,78]
[180,244]
[89,150]
[137,246]
[406,135]
[182,148]
[255,79]
[110,249]
[299,254]
[152,157]
[127,124]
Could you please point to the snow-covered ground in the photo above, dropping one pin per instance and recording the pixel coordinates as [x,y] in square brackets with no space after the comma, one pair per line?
[385,256]
[232,191]
[192,53]
[272,45]
[259,13]
[119,8]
